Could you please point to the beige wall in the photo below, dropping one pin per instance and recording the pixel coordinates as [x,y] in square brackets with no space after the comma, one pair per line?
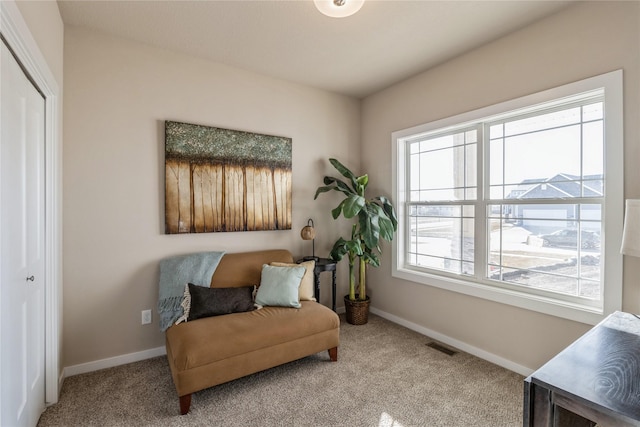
[582,41]
[117,96]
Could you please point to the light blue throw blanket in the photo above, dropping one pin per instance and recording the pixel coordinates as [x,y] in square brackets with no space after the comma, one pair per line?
[175,273]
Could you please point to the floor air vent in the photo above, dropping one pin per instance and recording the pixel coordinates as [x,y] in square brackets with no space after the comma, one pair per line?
[434,345]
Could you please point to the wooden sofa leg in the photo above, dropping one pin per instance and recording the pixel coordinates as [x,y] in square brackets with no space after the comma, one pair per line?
[333,354]
[185,403]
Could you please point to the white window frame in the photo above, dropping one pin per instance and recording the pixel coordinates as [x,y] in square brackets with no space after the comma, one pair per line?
[612,216]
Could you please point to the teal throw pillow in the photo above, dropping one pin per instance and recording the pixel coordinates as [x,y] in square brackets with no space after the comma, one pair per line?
[279,286]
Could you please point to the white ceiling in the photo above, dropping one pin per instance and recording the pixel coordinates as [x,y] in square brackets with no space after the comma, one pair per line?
[385,42]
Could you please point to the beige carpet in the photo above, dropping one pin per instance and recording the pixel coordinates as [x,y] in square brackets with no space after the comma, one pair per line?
[385,376]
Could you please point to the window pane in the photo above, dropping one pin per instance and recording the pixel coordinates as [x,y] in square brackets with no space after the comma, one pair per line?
[444,168]
[496,131]
[471,193]
[471,163]
[445,194]
[593,146]
[593,188]
[440,142]
[543,121]
[441,237]
[496,162]
[540,280]
[549,156]
[551,247]
[590,212]
[496,192]
[542,155]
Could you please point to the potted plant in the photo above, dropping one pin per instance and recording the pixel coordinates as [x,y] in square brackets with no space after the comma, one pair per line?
[375,219]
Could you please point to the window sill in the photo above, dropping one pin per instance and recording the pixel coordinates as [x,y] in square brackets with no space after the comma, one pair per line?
[541,304]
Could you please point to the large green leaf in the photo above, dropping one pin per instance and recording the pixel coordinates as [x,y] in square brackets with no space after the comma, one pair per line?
[339,250]
[354,247]
[386,226]
[369,228]
[344,171]
[387,206]
[335,213]
[352,205]
[343,247]
[365,228]
[339,185]
[371,258]
[321,190]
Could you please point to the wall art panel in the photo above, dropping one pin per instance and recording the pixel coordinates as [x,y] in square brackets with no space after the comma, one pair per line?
[225,180]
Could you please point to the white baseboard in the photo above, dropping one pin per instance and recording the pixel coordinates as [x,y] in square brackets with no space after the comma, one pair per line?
[110,362]
[482,354]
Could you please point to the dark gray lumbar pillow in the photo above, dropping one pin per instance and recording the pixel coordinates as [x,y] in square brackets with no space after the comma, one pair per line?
[207,302]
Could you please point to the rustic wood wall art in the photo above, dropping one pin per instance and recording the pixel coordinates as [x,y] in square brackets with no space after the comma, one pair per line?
[225,180]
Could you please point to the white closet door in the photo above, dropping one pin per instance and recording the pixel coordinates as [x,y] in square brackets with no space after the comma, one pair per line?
[22,251]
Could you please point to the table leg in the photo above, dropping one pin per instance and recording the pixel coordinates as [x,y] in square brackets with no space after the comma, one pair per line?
[537,408]
[316,285]
[527,406]
[333,286]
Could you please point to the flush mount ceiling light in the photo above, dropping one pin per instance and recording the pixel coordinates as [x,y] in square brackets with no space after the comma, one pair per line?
[338,8]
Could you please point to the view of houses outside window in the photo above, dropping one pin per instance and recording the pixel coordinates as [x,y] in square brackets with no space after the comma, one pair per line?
[529,215]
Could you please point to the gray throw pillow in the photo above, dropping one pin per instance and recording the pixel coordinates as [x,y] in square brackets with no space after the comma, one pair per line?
[279,286]
[207,302]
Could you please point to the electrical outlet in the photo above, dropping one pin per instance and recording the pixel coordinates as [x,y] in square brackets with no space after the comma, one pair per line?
[146,317]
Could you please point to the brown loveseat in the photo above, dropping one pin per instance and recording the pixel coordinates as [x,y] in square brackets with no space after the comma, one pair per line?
[210,351]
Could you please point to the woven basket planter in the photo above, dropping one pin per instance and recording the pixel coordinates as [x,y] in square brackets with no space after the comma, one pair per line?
[357,311]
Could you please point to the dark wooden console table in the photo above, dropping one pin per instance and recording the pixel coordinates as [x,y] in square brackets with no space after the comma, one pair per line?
[322,265]
[594,380]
